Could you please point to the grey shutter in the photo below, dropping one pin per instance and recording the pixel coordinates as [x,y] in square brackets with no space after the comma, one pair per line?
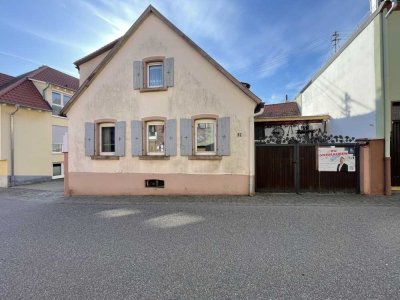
[186,137]
[89,139]
[120,138]
[223,141]
[137,139]
[170,138]
[137,75]
[169,71]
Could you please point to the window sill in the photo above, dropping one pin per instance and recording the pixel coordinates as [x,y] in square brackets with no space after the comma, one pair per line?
[145,90]
[104,157]
[154,157]
[205,157]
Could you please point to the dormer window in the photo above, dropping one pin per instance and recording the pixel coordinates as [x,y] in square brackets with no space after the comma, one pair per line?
[58,101]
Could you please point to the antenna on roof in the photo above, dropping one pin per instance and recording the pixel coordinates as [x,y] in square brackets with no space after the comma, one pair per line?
[286,98]
[335,40]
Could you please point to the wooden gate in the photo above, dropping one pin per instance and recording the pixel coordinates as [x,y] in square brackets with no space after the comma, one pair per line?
[293,168]
[395,153]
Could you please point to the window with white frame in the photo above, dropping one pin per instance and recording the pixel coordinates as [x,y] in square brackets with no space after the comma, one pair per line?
[58,133]
[205,137]
[58,170]
[155,138]
[107,138]
[58,101]
[155,74]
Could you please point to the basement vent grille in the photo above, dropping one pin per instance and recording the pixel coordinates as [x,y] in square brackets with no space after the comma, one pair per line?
[154,183]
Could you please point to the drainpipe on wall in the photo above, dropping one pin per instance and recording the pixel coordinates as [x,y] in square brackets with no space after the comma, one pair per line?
[386,101]
[12,144]
[252,153]
[44,91]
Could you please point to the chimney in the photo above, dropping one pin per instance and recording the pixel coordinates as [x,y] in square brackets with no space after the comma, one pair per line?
[246,85]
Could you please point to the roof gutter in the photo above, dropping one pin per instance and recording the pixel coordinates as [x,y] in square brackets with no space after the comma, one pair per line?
[395,3]
[12,139]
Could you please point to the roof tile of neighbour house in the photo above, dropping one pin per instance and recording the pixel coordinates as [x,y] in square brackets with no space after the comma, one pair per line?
[26,95]
[53,76]
[279,110]
[21,90]
[4,78]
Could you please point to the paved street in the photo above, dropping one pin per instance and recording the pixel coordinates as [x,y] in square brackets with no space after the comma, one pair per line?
[262,247]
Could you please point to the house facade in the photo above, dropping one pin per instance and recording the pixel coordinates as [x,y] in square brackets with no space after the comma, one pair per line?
[359,89]
[155,115]
[31,128]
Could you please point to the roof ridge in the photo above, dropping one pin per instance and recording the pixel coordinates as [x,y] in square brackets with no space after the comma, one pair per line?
[121,41]
[7,96]
[20,79]
[12,86]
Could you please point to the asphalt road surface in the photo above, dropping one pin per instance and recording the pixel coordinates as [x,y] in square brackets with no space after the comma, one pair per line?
[263,247]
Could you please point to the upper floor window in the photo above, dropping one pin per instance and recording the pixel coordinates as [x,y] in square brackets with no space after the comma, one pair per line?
[58,101]
[58,133]
[155,75]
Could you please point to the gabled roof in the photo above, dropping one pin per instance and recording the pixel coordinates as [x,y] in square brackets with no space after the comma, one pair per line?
[25,94]
[21,90]
[279,110]
[56,77]
[96,53]
[4,78]
[119,43]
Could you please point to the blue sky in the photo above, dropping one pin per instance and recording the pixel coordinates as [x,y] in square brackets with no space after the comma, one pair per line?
[276,45]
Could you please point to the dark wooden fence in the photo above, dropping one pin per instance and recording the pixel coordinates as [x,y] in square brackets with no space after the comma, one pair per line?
[395,153]
[293,168]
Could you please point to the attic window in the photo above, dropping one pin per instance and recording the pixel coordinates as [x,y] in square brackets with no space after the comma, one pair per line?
[155,75]
[58,101]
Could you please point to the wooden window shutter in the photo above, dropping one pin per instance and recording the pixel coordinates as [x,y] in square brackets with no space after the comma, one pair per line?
[120,138]
[186,137]
[223,139]
[137,75]
[169,72]
[170,138]
[137,138]
[89,139]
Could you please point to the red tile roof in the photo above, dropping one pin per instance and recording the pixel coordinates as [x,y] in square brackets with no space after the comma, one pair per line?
[286,109]
[21,90]
[25,94]
[53,76]
[4,78]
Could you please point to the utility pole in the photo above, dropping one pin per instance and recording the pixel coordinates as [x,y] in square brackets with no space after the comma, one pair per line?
[335,40]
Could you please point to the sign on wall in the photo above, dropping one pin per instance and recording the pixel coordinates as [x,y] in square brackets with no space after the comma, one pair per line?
[336,159]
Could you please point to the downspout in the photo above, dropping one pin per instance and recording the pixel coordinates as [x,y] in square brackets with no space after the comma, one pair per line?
[394,5]
[386,103]
[12,144]
[44,91]
[252,153]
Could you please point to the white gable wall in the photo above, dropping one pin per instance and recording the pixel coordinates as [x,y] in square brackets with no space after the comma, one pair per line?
[347,90]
